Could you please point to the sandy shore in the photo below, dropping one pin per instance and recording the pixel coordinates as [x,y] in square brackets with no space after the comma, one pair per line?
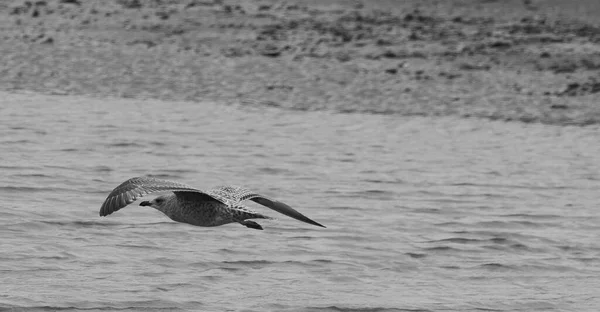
[529,61]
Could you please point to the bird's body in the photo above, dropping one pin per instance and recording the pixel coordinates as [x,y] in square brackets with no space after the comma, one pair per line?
[186,204]
[202,210]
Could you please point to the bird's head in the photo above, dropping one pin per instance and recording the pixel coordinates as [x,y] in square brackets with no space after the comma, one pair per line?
[157,203]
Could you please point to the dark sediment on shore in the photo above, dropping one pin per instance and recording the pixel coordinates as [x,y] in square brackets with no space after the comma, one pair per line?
[529,61]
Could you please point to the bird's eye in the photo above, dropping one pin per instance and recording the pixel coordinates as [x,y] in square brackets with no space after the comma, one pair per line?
[159,200]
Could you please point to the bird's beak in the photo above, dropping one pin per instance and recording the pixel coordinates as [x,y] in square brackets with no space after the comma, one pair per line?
[145,203]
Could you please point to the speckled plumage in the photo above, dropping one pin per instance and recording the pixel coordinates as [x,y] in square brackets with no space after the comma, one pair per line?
[186,204]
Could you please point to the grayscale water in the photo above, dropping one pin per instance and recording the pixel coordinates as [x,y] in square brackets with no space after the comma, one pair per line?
[422,214]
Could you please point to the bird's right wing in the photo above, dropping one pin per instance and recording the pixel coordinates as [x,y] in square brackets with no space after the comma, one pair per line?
[234,194]
[132,189]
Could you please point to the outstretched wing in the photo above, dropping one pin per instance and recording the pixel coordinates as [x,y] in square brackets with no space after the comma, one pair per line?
[132,189]
[234,194]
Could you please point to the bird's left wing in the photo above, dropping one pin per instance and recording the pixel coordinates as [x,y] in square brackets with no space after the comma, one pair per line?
[130,190]
[234,194]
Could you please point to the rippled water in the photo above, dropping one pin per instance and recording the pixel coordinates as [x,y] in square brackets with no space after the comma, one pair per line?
[422,214]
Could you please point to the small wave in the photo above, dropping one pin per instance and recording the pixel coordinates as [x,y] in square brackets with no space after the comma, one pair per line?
[344,208]
[498,240]
[46,268]
[528,267]
[496,266]
[322,261]
[459,240]
[450,267]
[397,181]
[416,255]
[585,259]
[19,227]
[134,307]
[68,168]
[102,169]
[519,246]
[448,200]
[450,223]
[18,128]
[169,287]
[302,237]
[463,240]
[500,235]
[364,309]
[15,167]
[263,263]
[32,175]
[162,176]
[530,224]
[250,262]
[499,224]
[345,160]
[352,238]
[17,142]
[512,186]
[493,243]
[138,246]
[83,224]
[179,171]
[270,170]
[30,189]
[55,257]
[532,216]
[373,194]
[125,144]
[105,126]
[169,174]
[441,248]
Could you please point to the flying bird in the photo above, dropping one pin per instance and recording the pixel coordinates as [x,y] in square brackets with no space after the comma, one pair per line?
[221,205]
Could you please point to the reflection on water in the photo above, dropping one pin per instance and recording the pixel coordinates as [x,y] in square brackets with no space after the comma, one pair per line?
[422,214]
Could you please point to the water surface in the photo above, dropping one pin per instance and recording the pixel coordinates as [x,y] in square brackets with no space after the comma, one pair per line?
[422,214]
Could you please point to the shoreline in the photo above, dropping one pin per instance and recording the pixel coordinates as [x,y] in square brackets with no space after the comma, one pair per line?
[412,58]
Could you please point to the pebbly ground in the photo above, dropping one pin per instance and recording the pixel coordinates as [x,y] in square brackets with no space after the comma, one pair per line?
[526,60]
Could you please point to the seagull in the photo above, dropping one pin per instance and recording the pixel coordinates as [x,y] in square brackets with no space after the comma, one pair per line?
[221,205]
